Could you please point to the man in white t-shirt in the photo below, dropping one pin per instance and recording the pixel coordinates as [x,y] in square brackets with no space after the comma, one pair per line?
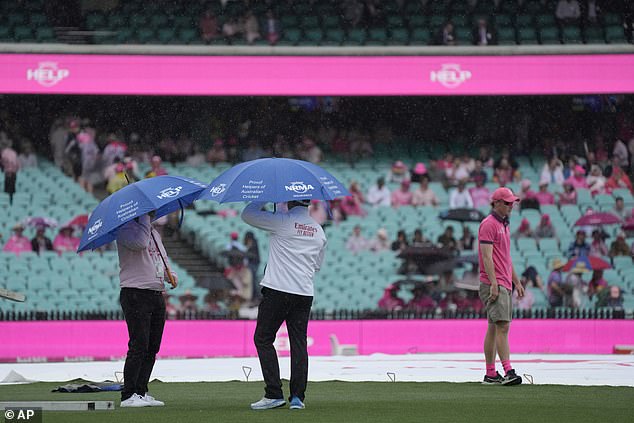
[297,244]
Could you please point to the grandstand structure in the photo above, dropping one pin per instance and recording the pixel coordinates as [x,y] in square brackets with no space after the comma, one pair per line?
[89,283]
[306,23]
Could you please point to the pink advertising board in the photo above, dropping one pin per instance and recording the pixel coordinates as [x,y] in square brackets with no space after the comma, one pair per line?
[302,75]
[105,340]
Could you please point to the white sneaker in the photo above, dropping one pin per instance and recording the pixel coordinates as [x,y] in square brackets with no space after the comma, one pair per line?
[267,403]
[153,401]
[135,400]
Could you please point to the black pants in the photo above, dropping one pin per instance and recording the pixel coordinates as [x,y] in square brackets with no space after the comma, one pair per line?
[144,312]
[9,184]
[275,308]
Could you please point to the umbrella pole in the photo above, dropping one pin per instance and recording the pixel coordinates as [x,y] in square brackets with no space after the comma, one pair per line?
[167,268]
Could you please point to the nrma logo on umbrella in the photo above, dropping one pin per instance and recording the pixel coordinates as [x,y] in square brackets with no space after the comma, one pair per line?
[168,193]
[92,231]
[299,187]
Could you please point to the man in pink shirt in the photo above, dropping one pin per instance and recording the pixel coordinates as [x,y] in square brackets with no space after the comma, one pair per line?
[403,196]
[543,196]
[18,243]
[578,178]
[497,277]
[479,194]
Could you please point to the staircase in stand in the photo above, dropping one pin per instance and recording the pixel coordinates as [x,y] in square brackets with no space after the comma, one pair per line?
[183,253]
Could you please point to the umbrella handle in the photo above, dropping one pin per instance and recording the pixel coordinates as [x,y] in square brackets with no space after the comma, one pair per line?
[169,271]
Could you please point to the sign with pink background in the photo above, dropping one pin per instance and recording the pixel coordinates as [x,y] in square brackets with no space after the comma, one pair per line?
[302,75]
[104,340]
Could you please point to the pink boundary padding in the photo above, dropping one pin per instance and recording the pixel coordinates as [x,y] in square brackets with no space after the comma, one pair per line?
[64,340]
[301,75]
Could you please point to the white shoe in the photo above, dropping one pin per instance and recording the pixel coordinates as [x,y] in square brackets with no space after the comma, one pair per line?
[153,401]
[135,400]
[267,403]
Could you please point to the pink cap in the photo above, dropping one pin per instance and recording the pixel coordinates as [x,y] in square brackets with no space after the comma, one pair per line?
[503,193]
[420,169]
[579,169]
[526,183]
[234,235]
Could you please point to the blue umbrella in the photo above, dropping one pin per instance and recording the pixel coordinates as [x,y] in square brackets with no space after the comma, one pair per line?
[163,194]
[274,180]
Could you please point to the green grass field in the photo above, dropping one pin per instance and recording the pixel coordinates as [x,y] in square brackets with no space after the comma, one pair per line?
[353,402]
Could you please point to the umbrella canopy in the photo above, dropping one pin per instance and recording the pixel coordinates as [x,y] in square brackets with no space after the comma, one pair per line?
[274,180]
[46,222]
[586,263]
[598,218]
[628,225]
[163,194]
[79,221]
[462,215]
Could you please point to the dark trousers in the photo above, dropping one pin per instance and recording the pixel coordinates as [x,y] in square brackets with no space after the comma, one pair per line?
[144,312]
[275,308]
[9,185]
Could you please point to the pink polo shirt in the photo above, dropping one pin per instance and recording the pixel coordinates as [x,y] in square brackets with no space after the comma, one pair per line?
[494,230]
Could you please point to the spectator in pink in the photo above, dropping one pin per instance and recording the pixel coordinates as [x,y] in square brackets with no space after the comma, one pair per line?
[525,190]
[418,173]
[115,148]
[569,196]
[524,230]
[10,166]
[402,196]
[390,300]
[65,241]
[421,301]
[578,178]
[17,243]
[598,247]
[155,168]
[398,172]
[617,180]
[356,242]
[545,228]
[543,196]
[424,196]
[352,205]
[480,194]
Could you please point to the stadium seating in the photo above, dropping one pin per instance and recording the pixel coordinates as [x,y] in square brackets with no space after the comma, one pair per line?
[312,23]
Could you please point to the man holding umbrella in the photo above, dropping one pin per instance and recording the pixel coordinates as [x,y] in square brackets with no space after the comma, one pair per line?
[143,273]
[296,251]
[496,278]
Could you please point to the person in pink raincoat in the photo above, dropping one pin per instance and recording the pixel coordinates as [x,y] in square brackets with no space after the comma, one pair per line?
[65,241]
[18,243]
[390,300]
